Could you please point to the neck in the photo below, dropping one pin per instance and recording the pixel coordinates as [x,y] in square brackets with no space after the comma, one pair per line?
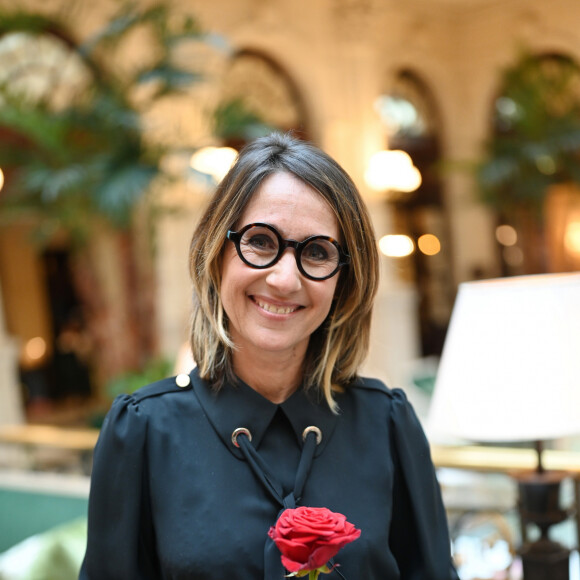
[275,377]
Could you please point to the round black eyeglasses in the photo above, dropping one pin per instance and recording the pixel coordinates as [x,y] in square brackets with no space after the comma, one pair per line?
[261,246]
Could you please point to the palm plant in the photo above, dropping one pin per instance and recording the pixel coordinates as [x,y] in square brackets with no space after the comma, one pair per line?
[84,169]
[91,158]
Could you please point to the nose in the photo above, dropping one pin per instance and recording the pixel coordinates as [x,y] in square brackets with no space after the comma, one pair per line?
[284,274]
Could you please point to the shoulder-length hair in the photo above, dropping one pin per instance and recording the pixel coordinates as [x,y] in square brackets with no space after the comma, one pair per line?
[338,347]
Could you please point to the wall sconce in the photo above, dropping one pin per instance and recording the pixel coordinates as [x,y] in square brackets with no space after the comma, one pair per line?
[572,237]
[396,246]
[213,161]
[401,245]
[392,171]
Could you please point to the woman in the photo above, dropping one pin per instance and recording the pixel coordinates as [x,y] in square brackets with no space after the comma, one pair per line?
[190,473]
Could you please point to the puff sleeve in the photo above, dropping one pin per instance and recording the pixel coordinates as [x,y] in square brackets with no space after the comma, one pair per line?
[419,533]
[120,542]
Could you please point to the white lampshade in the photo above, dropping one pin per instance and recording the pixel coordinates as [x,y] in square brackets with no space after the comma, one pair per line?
[510,368]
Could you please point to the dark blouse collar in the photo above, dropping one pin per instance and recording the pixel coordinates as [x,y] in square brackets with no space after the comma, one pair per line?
[239,405]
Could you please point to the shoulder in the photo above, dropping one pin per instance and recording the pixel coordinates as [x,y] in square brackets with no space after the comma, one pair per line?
[169,386]
[375,396]
[366,385]
[406,430]
[141,402]
[130,414]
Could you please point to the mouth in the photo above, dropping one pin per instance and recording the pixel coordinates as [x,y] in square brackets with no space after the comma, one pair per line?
[276,308]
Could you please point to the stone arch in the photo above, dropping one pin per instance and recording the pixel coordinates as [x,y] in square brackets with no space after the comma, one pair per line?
[265,88]
[535,109]
[43,65]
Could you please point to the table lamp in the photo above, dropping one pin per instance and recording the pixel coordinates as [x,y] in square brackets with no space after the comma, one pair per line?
[510,372]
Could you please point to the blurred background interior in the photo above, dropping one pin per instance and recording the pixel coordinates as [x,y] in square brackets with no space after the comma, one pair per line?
[459,120]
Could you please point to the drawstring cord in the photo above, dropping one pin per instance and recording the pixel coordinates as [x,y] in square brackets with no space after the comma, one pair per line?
[273,569]
[260,468]
[264,474]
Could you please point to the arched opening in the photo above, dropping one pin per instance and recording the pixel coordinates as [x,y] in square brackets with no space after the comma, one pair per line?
[530,175]
[75,235]
[412,124]
[257,96]
[42,307]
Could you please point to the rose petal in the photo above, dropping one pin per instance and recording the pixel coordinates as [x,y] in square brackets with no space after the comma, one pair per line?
[292,566]
[297,552]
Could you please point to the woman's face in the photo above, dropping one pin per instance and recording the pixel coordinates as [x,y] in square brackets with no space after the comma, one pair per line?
[276,309]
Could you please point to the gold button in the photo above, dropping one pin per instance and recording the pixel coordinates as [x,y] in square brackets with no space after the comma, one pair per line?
[182,380]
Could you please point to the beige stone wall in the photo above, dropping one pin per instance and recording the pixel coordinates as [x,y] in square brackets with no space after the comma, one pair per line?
[342,54]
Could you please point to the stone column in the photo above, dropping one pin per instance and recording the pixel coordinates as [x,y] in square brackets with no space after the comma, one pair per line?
[395,334]
[11,404]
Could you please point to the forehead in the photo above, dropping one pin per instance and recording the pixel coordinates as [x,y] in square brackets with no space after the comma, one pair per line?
[292,206]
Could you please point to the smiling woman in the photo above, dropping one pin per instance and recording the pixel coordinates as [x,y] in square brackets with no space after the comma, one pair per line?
[194,471]
[295,187]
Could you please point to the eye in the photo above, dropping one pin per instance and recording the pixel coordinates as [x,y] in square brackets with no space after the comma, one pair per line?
[259,240]
[318,251]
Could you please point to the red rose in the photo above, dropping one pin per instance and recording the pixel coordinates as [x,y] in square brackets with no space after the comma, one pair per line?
[309,537]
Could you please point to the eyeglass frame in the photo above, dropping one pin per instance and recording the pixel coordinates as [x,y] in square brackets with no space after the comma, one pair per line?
[283,244]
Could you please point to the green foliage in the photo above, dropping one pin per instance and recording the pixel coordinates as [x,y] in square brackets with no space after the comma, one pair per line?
[128,383]
[537,136]
[90,160]
[234,120]
[24,21]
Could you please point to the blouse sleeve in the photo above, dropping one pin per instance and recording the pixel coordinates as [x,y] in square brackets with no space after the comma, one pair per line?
[419,532]
[120,535]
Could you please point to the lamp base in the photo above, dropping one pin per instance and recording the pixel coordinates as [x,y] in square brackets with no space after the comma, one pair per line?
[539,499]
[545,560]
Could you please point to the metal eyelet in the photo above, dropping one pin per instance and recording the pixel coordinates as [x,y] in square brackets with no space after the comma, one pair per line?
[312,429]
[240,431]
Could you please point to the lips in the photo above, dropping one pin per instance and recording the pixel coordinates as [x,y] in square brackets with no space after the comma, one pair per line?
[276,308]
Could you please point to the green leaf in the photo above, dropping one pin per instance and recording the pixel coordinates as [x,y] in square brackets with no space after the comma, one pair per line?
[233,119]
[537,142]
[170,76]
[117,195]
[91,160]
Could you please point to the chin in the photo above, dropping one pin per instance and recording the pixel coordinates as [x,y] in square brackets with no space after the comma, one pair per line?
[274,343]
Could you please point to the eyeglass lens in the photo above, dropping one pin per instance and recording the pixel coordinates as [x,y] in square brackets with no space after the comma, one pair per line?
[260,247]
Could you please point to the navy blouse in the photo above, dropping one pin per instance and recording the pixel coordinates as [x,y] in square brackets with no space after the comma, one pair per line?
[173,498]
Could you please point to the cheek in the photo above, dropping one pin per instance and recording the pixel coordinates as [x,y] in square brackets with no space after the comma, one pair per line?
[230,279]
[325,295]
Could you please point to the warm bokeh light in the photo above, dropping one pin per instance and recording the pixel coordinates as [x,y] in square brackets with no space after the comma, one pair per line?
[429,244]
[1,179]
[392,170]
[396,246]
[35,348]
[214,161]
[506,235]
[572,237]
[513,256]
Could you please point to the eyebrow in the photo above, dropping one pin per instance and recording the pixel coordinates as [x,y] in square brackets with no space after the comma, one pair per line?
[277,228]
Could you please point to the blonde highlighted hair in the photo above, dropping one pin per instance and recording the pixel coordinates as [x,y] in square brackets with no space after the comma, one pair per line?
[338,347]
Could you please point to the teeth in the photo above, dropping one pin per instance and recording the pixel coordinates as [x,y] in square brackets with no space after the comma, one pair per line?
[276,309]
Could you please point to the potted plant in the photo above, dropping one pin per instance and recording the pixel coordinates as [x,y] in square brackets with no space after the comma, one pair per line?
[534,151]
